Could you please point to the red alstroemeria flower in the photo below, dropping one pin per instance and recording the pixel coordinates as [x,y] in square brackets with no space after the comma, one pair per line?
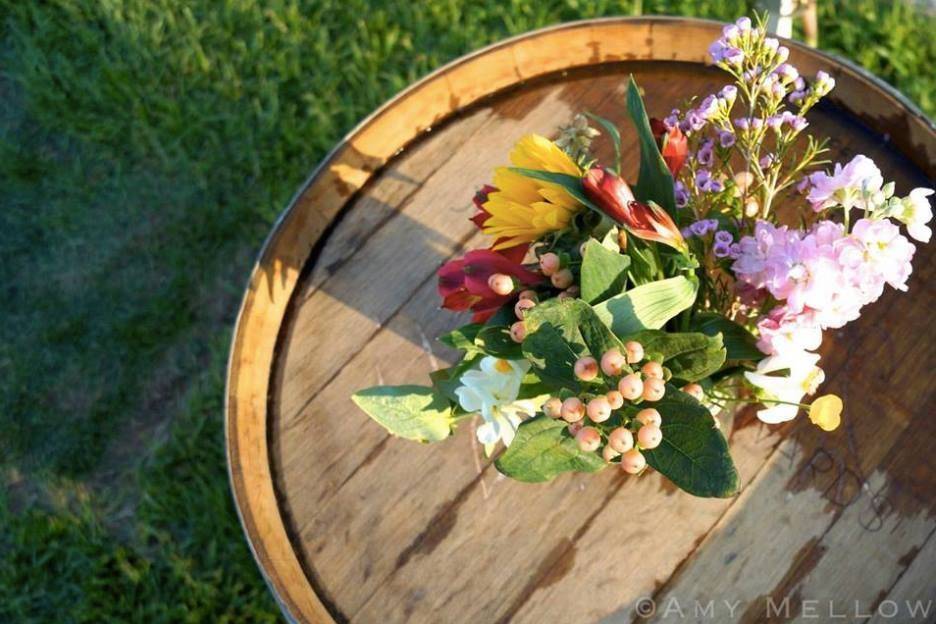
[614,197]
[480,197]
[674,146]
[463,283]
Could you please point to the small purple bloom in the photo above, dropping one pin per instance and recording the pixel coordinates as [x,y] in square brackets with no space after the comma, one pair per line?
[796,97]
[803,185]
[734,250]
[772,44]
[695,120]
[799,123]
[728,93]
[778,90]
[766,161]
[708,108]
[699,228]
[775,122]
[743,23]
[673,120]
[742,124]
[721,250]
[724,236]
[799,84]
[704,155]
[787,73]
[682,195]
[733,56]
[783,53]
[686,232]
[726,138]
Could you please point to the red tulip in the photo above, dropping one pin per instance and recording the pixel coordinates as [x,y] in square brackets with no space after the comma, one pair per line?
[614,197]
[674,146]
[463,283]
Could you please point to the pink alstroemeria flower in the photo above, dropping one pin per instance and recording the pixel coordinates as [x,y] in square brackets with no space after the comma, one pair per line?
[463,283]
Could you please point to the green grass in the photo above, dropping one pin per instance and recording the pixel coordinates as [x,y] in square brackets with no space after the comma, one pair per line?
[145,148]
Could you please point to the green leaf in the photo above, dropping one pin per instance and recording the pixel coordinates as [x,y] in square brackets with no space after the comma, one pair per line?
[495,340]
[648,306]
[654,181]
[690,356]
[543,449]
[570,183]
[554,358]
[739,342]
[615,135]
[604,272]
[561,331]
[693,454]
[411,412]
[462,338]
[645,265]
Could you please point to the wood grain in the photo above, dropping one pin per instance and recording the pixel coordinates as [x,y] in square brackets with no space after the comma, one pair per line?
[347,523]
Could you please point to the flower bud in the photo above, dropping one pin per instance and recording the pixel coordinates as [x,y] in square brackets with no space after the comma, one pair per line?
[553,407]
[649,416]
[633,461]
[588,439]
[586,368]
[599,409]
[549,263]
[615,399]
[613,362]
[694,390]
[635,352]
[621,440]
[518,331]
[523,306]
[654,389]
[631,386]
[501,284]
[649,437]
[562,278]
[652,370]
[572,410]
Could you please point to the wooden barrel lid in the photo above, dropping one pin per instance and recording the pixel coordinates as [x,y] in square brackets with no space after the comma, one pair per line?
[349,524]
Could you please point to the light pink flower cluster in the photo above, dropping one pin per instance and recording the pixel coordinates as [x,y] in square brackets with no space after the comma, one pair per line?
[823,276]
[853,186]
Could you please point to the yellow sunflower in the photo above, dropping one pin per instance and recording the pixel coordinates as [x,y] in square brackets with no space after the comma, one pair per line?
[522,209]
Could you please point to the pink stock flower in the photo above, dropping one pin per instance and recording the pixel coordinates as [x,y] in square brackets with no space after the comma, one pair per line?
[886,249]
[783,331]
[847,186]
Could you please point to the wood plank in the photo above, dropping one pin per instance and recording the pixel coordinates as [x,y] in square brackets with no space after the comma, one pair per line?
[913,593]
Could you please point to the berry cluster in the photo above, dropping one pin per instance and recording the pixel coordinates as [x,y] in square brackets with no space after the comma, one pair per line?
[622,432]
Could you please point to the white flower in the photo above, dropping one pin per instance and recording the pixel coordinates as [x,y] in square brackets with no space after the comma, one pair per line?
[916,213]
[491,390]
[804,378]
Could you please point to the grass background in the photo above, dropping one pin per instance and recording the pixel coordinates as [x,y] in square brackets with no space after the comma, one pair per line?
[145,148]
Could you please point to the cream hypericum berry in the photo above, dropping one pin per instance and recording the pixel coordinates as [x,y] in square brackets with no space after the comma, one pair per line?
[553,407]
[529,294]
[549,263]
[649,416]
[631,387]
[635,352]
[501,284]
[653,389]
[586,368]
[588,439]
[572,410]
[613,362]
[609,453]
[518,331]
[649,437]
[599,409]
[574,428]
[523,306]
[621,440]
[633,461]
[562,278]
[615,399]
[652,370]
[694,390]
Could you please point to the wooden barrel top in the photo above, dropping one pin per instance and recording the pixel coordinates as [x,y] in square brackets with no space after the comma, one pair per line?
[348,524]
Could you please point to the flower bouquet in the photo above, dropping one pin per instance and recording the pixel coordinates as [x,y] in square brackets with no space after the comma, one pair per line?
[613,322]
